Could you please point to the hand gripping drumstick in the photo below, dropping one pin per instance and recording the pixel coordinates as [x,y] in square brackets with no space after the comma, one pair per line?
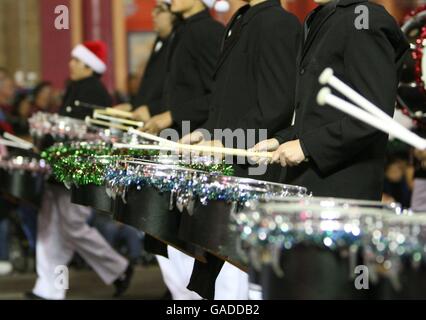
[178,147]
[119,113]
[391,127]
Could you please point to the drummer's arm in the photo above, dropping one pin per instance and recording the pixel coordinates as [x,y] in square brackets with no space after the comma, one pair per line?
[371,69]
[197,110]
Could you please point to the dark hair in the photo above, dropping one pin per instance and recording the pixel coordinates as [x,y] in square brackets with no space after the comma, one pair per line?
[38,88]
[96,74]
[20,96]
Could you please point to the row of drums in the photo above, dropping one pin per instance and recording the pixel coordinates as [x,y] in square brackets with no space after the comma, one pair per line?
[293,245]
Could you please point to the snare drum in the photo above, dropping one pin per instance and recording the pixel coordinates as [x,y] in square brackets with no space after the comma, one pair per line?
[152,193]
[23,178]
[211,223]
[47,128]
[402,257]
[314,248]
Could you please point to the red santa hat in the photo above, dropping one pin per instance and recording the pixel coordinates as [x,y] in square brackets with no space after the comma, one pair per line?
[93,54]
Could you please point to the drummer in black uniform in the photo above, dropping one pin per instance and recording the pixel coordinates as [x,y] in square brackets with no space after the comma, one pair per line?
[192,53]
[253,89]
[326,151]
[148,100]
[191,59]
[86,85]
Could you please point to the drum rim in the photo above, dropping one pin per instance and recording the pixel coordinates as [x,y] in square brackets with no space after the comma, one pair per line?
[248,181]
[330,200]
[160,166]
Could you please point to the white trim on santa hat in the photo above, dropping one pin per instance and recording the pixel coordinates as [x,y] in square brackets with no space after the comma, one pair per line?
[222,6]
[209,3]
[89,58]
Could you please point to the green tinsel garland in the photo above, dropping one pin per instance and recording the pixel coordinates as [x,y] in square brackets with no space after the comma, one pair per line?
[85,163]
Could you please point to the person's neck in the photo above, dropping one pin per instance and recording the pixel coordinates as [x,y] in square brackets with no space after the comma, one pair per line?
[84,78]
[165,33]
[255,2]
[197,8]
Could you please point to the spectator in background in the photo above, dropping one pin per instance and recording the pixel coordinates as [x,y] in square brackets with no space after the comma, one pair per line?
[21,111]
[43,98]
[5,264]
[396,188]
[418,200]
[7,93]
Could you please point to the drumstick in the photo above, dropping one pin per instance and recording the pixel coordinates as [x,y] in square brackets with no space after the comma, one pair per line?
[326,97]
[89,121]
[143,147]
[178,147]
[18,140]
[328,77]
[12,144]
[151,137]
[119,113]
[82,104]
[98,115]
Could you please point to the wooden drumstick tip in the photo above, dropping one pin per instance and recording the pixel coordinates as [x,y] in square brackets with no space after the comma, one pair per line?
[325,76]
[322,96]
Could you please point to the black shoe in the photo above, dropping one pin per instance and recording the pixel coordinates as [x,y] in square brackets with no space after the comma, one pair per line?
[31,296]
[123,282]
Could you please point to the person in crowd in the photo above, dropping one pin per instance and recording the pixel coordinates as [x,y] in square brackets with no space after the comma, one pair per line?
[5,264]
[7,93]
[418,199]
[21,111]
[43,97]
[396,188]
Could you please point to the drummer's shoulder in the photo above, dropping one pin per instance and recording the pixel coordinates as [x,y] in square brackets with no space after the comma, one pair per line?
[205,28]
[374,15]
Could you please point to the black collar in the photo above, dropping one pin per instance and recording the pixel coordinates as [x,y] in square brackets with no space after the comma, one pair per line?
[85,80]
[345,3]
[252,11]
[198,16]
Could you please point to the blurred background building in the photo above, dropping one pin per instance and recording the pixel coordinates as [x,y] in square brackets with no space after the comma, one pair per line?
[33,49]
